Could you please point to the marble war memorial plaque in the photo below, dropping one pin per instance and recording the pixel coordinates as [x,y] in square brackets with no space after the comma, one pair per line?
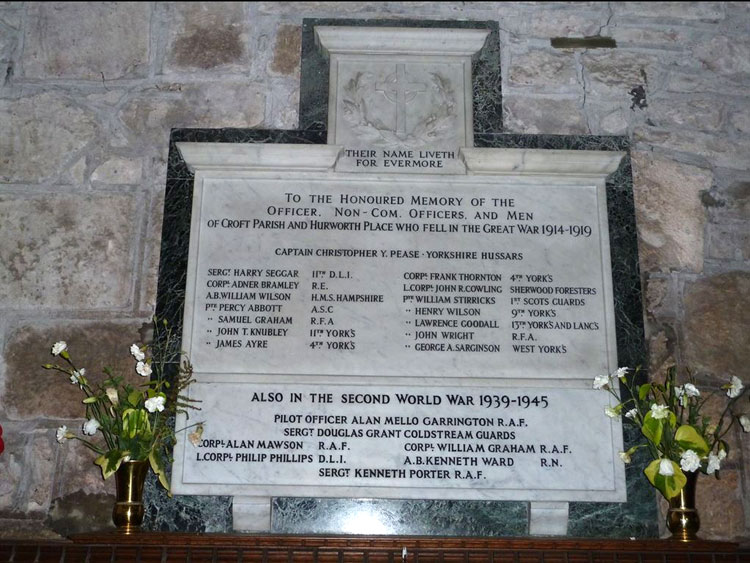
[397,314]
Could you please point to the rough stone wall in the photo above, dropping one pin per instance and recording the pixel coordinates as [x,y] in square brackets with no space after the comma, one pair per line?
[90,91]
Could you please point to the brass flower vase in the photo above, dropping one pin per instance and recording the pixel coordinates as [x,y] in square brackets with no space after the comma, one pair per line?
[682,517]
[128,511]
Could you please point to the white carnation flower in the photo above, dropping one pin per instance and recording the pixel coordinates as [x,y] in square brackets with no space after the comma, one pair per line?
[155,404]
[691,390]
[659,411]
[745,422]
[624,456]
[61,433]
[689,461]
[631,414]
[621,373]
[91,426]
[679,392]
[714,463]
[735,387]
[601,381]
[137,353]
[665,468]
[143,369]
[610,412]
[59,347]
[76,376]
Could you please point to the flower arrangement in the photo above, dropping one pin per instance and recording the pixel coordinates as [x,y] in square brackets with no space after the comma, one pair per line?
[678,436]
[132,423]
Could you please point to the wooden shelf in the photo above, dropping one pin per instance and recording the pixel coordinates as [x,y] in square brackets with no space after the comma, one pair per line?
[194,548]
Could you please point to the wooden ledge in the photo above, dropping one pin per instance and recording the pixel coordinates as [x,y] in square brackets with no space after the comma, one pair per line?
[185,547]
[348,542]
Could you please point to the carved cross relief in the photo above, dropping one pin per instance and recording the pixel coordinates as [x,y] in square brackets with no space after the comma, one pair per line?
[400,91]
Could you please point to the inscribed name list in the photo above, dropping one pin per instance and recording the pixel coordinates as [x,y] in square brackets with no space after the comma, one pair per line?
[339,275]
[397,442]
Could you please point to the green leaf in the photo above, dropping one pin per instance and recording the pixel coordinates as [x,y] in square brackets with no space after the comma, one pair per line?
[133,398]
[89,400]
[672,419]
[158,467]
[652,428]
[632,450]
[669,486]
[135,423]
[110,462]
[643,391]
[690,439]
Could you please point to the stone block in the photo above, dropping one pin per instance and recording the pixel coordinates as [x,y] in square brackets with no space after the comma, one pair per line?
[80,512]
[660,354]
[12,461]
[738,198]
[63,251]
[87,40]
[710,11]
[150,273]
[9,25]
[285,114]
[615,72]
[613,123]
[713,149]
[729,241]
[567,22]
[152,113]
[318,9]
[661,37]
[44,131]
[522,114]
[739,119]
[28,469]
[719,503]
[690,81]
[118,171]
[206,35]
[40,465]
[77,473]
[75,174]
[544,69]
[715,328]
[724,55]
[661,297]
[700,114]
[286,50]
[33,392]
[669,213]
[27,530]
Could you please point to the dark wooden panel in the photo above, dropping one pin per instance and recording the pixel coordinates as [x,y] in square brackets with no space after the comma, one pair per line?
[218,548]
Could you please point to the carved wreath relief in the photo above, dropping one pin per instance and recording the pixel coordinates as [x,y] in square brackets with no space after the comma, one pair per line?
[401,90]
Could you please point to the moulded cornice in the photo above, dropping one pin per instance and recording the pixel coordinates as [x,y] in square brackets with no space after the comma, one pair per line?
[454,42]
[540,162]
[247,156]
